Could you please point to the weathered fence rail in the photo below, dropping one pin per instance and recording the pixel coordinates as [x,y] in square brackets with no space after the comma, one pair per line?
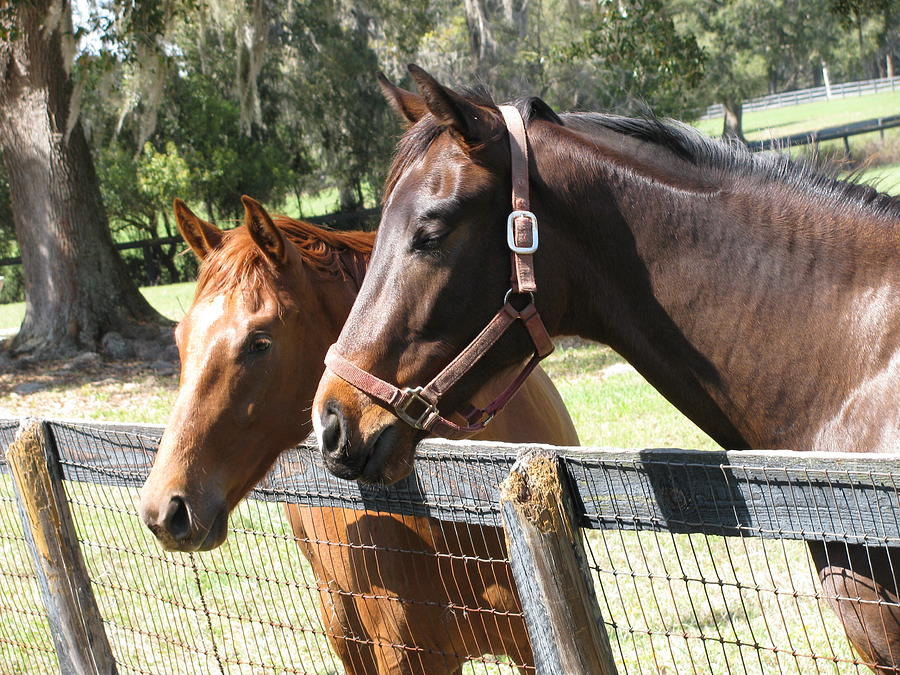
[690,553]
[778,494]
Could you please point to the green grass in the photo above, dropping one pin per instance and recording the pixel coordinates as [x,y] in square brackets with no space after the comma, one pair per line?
[885,178]
[810,116]
[171,301]
[613,406]
[321,203]
[11,315]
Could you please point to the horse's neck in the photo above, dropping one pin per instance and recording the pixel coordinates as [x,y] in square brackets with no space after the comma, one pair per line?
[750,324]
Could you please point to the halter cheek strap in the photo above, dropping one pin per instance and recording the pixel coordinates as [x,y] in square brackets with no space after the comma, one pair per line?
[417,406]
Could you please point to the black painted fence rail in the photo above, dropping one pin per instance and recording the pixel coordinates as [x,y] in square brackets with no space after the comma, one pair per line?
[848,497]
[335,220]
[843,131]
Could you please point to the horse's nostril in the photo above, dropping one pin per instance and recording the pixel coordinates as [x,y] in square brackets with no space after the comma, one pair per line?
[177,520]
[332,431]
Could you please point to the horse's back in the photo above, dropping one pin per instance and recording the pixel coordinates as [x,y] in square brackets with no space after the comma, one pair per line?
[439,586]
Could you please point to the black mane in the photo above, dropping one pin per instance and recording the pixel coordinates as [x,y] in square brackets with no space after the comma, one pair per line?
[722,157]
[731,157]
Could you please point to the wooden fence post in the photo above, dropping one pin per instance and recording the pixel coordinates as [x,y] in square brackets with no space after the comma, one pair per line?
[550,568]
[75,622]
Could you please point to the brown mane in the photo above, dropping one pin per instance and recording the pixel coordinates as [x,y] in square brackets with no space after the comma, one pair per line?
[239,262]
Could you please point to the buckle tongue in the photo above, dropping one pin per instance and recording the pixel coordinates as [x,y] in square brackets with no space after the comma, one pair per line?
[511,232]
[411,418]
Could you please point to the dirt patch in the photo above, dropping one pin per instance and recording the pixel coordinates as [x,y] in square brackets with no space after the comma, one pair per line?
[89,387]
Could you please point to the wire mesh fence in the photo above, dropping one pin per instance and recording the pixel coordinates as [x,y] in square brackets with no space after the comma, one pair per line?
[700,562]
[702,567]
[298,589]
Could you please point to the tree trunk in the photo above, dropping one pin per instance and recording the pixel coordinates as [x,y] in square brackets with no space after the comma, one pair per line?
[734,115]
[349,194]
[481,38]
[862,49]
[76,286]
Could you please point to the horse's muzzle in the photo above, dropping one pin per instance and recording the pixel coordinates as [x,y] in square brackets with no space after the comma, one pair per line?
[179,527]
[380,452]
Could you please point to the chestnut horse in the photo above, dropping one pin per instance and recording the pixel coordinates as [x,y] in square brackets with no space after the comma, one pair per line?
[398,594]
[759,297]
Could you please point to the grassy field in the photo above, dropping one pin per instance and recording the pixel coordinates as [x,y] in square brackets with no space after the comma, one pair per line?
[810,116]
[171,301]
[886,178]
[322,203]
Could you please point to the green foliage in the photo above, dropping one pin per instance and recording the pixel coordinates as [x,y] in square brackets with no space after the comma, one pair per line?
[162,176]
[221,163]
[735,56]
[13,289]
[332,101]
[851,12]
[634,51]
[169,87]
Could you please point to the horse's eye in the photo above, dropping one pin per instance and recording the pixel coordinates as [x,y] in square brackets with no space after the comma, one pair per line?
[260,343]
[428,241]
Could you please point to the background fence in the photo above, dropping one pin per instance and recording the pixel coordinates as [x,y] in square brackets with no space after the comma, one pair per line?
[843,131]
[697,559]
[845,90]
[366,219]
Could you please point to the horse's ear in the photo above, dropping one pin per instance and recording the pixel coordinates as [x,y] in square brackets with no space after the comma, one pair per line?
[408,105]
[474,124]
[201,236]
[263,231]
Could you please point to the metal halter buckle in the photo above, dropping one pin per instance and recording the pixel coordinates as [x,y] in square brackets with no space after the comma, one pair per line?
[511,232]
[416,422]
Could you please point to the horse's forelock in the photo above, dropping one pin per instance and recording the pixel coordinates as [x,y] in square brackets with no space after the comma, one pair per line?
[418,138]
[239,264]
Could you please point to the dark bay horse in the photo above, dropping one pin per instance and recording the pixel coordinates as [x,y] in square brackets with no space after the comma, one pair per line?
[271,296]
[759,297]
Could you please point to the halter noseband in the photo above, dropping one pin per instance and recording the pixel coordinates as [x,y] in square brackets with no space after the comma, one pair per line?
[417,406]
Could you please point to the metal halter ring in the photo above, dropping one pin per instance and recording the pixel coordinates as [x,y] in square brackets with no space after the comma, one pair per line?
[511,232]
[512,292]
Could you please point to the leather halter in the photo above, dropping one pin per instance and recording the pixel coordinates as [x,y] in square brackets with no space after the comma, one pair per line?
[417,406]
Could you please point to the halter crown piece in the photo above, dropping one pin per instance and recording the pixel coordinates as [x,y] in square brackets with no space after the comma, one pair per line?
[417,406]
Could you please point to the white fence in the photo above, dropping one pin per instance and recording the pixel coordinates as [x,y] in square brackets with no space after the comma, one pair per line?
[846,90]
